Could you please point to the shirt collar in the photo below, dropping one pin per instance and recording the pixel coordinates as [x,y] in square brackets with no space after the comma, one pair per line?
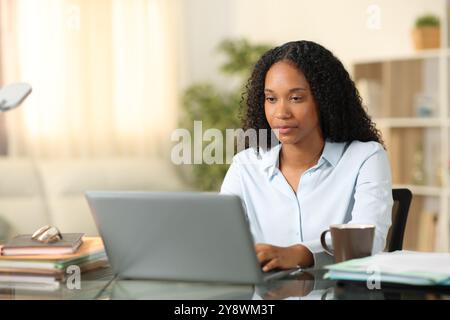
[270,159]
[332,153]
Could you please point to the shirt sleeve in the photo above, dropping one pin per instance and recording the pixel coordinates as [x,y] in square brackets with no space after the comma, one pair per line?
[372,205]
[232,182]
[373,197]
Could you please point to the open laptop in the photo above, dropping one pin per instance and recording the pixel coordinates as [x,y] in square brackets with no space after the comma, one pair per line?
[177,236]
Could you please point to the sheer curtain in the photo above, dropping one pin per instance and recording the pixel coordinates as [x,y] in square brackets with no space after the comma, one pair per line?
[103,74]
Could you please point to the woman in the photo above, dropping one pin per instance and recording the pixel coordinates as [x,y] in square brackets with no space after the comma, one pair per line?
[329,167]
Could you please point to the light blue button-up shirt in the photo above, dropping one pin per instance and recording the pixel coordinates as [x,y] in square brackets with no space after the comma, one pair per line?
[351,183]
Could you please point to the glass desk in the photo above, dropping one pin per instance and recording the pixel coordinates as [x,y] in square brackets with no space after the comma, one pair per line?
[308,285]
[92,283]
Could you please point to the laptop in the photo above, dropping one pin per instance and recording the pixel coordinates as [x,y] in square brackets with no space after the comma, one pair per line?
[178,236]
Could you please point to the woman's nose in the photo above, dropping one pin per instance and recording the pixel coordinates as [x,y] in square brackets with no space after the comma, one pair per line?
[282,111]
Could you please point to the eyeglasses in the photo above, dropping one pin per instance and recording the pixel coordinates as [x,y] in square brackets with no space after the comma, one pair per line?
[47,234]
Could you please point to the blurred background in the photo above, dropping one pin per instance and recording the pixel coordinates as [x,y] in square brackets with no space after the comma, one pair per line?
[113,79]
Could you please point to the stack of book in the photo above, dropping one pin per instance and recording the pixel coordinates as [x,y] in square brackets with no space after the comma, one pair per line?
[45,267]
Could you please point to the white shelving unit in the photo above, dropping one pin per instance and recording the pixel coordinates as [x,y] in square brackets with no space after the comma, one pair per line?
[426,191]
[410,122]
[401,77]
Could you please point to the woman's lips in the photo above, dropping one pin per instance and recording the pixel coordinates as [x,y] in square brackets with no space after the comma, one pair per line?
[285,130]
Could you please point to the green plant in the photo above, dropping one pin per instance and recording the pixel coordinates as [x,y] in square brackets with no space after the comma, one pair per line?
[219,108]
[428,20]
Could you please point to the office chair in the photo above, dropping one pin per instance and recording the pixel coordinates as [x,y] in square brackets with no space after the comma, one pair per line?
[402,201]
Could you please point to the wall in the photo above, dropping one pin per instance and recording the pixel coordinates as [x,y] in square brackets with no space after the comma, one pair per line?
[339,25]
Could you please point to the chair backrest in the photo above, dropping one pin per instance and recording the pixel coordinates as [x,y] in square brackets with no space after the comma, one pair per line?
[402,201]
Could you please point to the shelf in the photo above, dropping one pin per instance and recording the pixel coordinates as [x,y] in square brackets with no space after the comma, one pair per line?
[422,190]
[416,55]
[410,122]
[390,85]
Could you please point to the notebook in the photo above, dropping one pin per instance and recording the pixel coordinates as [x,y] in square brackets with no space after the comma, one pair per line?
[402,267]
[24,245]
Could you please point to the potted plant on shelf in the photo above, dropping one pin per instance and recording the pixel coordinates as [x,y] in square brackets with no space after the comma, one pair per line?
[426,34]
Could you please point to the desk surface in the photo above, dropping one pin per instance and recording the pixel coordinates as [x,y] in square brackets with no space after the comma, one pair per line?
[309,285]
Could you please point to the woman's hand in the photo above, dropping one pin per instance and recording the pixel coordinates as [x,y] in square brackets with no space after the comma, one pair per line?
[272,257]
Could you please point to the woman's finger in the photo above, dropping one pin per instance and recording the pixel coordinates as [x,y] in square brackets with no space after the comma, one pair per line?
[261,256]
[261,247]
[272,264]
[264,255]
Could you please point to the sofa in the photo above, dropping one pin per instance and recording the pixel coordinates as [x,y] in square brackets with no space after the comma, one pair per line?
[34,193]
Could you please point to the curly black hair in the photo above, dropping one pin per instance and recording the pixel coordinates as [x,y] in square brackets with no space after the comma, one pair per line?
[342,116]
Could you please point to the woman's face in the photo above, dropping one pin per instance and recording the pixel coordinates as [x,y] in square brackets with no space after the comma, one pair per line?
[289,104]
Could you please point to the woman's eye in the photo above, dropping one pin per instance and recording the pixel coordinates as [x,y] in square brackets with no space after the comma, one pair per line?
[270,99]
[297,99]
